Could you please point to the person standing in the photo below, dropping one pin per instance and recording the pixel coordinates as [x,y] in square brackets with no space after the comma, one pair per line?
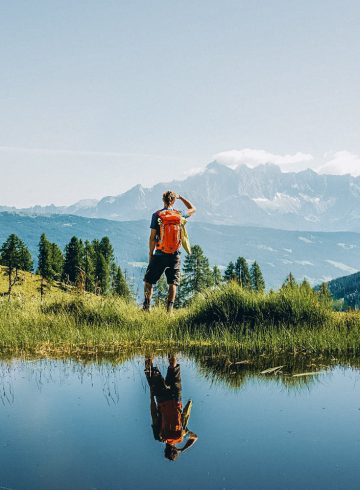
[164,248]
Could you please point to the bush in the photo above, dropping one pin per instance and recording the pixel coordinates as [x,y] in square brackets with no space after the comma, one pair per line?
[239,308]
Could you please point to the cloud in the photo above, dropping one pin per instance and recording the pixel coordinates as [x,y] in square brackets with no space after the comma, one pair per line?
[253,157]
[342,162]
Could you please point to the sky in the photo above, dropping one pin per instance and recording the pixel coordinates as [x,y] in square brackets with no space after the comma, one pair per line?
[96,97]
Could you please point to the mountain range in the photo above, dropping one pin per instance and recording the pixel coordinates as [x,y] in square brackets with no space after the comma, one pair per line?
[263,196]
[318,256]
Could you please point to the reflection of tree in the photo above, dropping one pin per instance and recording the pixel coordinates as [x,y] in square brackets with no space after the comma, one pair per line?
[6,393]
[233,369]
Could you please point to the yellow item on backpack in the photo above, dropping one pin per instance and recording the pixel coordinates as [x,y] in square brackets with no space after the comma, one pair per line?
[185,237]
[186,414]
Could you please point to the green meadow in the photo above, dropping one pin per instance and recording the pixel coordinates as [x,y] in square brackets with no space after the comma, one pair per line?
[69,323]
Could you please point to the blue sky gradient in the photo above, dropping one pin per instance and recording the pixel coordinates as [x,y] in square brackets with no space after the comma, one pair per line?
[143,90]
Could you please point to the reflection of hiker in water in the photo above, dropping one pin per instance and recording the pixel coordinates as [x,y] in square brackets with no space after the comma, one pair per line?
[169,420]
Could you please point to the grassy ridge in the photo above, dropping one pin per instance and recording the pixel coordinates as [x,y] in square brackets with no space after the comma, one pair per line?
[288,321]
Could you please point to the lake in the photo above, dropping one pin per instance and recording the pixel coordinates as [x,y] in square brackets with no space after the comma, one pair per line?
[88,425]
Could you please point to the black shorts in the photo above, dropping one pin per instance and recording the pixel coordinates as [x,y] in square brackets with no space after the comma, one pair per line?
[168,388]
[168,263]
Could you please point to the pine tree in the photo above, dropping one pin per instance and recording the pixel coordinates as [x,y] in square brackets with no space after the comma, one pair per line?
[89,267]
[305,287]
[102,274]
[216,276]
[180,298]
[324,294]
[161,291]
[104,264]
[229,274]
[289,282]
[44,263]
[73,263]
[120,286]
[50,262]
[242,273]
[25,259]
[15,256]
[44,258]
[257,279]
[57,261]
[107,250]
[197,273]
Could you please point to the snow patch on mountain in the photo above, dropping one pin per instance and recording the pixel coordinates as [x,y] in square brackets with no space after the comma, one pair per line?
[346,246]
[305,240]
[282,203]
[342,267]
[266,247]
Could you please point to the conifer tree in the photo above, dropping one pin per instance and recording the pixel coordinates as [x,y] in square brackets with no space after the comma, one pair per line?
[50,259]
[216,276]
[57,261]
[103,264]
[26,262]
[197,273]
[324,294]
[73,263]
[161,291]
[289,282]
[305,287]
[102,274]
[242,273]
[44,258]
[89,267]
[257,279]
[107,250]
[50,262]
[44,263]
[229,274]
[15,256]
[180,299]
[120,286]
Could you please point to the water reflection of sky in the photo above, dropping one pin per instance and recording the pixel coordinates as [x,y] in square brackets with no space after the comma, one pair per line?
[66,425]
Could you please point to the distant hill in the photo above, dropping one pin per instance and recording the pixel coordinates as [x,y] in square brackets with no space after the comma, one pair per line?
[315,255]
[346,289]
[263,196]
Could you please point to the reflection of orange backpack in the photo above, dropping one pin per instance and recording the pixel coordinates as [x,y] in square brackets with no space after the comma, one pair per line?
[170,231]
[171,429]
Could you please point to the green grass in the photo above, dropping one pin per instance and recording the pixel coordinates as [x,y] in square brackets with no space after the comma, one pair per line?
[229,318]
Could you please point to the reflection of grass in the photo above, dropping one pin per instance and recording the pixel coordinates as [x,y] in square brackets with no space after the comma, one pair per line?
[233,369]
[67,323]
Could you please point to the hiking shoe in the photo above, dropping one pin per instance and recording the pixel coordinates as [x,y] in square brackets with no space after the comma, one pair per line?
[146,306]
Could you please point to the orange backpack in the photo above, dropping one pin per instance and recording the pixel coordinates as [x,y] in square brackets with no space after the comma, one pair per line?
[170,231]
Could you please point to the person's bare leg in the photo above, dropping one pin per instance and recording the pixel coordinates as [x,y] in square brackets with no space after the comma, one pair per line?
[148,292]
[172,360]
[171,297]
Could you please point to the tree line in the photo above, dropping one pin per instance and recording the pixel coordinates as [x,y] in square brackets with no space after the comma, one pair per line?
[89,266]
[197,276]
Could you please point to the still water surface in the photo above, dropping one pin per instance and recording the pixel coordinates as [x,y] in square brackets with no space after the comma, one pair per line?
[69,425]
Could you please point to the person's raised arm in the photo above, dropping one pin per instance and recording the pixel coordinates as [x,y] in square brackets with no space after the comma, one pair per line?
[191,209]
[192,439]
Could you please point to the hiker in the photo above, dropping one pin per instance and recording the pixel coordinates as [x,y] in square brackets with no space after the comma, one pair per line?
[169,419]
[165,240]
